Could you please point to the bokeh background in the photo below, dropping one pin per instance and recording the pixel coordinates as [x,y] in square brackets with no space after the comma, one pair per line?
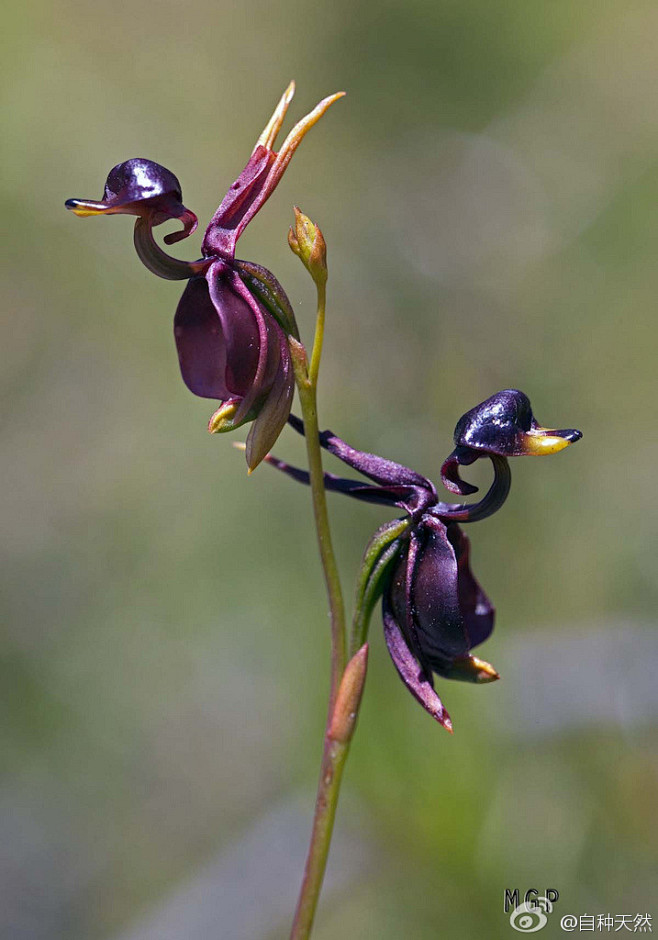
[488,191]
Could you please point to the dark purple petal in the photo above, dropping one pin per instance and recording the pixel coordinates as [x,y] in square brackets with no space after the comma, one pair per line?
[200,342]
[228,222]
[476,608]
[433,597]
[412,674]
[284,156]
[239,328]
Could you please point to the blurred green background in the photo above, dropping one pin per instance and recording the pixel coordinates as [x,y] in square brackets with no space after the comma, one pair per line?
[488,193]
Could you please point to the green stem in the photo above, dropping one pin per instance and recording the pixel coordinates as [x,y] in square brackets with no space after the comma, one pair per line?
[318,339]
[307,397]
[334,752]
[333,762]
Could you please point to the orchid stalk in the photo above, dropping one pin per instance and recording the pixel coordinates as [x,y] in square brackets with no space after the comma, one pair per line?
[238,343]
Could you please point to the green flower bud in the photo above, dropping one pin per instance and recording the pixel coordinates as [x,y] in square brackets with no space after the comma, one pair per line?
[307,242]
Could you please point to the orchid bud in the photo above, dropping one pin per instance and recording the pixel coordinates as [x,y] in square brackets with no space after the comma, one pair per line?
[307,242]
[348,700]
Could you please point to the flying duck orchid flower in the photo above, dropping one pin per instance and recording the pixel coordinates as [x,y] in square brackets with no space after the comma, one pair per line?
[434,611]
[233,321]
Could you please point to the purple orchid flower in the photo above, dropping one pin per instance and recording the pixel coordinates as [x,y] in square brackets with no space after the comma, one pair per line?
[234,318]
[434,611]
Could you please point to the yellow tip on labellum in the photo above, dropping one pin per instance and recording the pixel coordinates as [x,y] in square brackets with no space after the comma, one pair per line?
[472,669]
[485,671]
[86,207]
[222,419]
[541,441]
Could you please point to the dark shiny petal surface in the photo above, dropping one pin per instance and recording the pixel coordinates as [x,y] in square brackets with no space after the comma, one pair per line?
[497,424]
[200,342]
[434,595]
[412,674]
[476,609]
[505,425]
[139,179]
[240,328]
[490,503]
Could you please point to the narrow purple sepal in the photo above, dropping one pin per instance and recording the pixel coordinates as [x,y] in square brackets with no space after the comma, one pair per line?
[412,674]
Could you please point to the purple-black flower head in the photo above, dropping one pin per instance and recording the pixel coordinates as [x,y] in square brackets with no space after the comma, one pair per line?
[505,425]
[435,613]
[232,322]
[143,188]
[500,427]
[231,348]
[234,318]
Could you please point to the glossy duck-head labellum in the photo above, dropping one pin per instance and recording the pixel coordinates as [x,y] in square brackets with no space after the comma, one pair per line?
[505,425]
[143,188]
[502,426]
